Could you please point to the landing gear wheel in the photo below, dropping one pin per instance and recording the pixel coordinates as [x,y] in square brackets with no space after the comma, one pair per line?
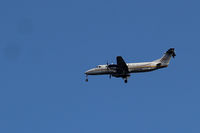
[125,81]
[86,80]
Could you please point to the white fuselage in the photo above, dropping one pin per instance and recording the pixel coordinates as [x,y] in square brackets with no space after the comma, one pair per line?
[132,68]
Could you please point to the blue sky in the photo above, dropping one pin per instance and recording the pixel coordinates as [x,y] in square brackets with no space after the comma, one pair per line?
[46,46]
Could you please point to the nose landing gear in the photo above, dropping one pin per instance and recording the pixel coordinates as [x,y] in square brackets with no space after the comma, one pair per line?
[86,80]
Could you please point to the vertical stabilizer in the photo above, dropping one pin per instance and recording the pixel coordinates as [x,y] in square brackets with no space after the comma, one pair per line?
[165,59]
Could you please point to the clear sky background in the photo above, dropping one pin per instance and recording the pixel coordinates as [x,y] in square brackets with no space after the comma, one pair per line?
[47,45]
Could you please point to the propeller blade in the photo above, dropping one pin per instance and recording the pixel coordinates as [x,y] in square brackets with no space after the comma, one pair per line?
[107,64]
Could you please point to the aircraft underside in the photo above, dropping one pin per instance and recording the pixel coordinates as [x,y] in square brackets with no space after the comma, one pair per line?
[116,74]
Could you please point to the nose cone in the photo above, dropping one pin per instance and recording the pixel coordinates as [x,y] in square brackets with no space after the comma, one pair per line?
[88,72]
[91,71]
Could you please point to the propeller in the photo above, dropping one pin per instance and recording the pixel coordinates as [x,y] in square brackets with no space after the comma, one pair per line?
[108,69]
[107,64]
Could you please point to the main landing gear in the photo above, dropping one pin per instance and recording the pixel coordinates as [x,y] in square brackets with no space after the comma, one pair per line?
[125,80]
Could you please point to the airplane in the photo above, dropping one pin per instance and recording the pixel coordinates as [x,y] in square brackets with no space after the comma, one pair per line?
[123,69]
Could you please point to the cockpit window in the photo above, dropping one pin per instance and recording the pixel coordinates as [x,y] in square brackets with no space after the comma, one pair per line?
[99,66]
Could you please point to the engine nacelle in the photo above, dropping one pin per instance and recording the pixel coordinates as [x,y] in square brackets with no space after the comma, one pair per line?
[113,66]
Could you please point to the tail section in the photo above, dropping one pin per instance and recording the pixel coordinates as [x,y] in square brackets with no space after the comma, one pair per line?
[165,59]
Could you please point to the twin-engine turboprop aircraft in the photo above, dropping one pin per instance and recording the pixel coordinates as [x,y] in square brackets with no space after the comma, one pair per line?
[123,69]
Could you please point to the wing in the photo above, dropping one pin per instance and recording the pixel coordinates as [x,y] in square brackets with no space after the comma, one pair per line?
[123,68]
